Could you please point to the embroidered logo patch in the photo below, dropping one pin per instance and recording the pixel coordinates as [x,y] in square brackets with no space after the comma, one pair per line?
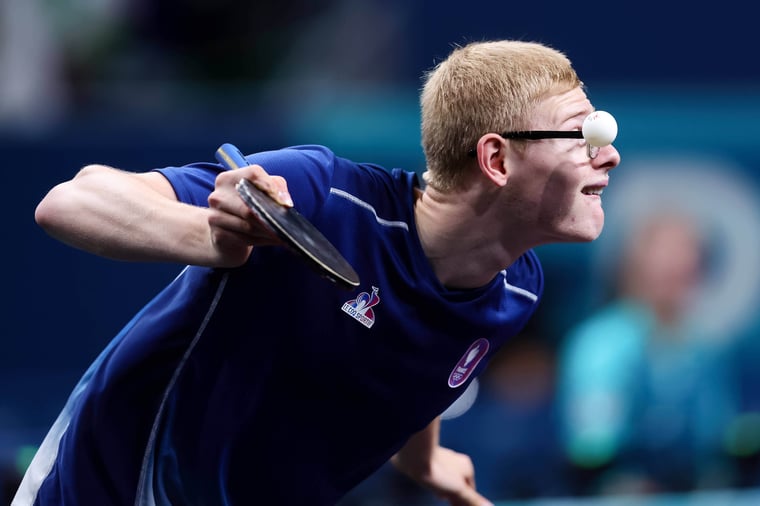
[360,308]
[468,362]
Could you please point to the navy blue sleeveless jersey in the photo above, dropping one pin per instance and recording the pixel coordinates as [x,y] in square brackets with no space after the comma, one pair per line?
[267,383]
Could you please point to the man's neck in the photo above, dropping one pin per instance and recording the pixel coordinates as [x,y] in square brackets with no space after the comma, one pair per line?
[464,237]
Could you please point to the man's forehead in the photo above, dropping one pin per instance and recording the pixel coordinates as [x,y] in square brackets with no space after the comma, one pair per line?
[558,108]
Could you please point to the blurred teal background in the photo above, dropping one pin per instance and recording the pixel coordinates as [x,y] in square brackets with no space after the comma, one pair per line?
[144,84]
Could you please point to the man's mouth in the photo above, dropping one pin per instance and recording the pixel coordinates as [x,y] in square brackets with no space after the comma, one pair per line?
[593,190]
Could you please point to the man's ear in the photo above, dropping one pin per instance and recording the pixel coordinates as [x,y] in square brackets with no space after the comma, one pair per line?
[491,153]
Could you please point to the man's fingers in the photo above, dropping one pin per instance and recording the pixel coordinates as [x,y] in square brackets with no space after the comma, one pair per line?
[251,230]
[274,186]
[469,497]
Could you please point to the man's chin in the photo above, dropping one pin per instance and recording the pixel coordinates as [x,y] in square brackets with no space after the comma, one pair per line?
[586,235]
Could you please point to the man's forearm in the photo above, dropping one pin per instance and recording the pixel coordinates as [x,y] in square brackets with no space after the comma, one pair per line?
[124,216]
[417,453]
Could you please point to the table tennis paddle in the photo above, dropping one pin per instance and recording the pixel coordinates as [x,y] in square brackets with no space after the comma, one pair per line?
[291,227]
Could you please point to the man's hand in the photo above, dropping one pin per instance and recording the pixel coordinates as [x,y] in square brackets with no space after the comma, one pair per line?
[234,227]
[449,474]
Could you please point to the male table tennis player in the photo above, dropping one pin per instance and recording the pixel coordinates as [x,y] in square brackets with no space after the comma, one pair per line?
[251,380]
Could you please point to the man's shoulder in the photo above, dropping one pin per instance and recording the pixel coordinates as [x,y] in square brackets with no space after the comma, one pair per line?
[527,274]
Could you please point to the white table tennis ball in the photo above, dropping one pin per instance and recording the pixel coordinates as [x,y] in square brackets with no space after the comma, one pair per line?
[600,128]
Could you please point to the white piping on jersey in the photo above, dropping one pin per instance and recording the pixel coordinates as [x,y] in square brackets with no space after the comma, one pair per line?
[401,224]
[42,462]
[356,200]
[144,495]
[516,289]
[45,457]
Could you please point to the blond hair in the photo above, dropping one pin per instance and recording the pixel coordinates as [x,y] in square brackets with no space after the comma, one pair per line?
[484,87]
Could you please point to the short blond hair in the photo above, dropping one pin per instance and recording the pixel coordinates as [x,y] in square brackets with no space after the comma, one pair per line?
[483,87]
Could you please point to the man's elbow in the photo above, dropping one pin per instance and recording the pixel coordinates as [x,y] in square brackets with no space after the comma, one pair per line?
[56,208]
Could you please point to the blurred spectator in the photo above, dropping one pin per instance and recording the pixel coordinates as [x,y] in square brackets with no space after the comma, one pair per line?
[52,54]
[743,438]
[144,56]
[30,65]
[646,396]
[217,42]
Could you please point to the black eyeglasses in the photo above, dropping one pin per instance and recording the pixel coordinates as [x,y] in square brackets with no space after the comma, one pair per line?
[533,135]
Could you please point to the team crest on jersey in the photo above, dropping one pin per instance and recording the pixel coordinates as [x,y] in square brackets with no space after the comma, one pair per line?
[468,362]
[360,308]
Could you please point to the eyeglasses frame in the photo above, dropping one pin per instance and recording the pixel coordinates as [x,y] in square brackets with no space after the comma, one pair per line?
[532,135]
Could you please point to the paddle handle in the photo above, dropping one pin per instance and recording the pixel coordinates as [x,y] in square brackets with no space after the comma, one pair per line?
[230,156]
